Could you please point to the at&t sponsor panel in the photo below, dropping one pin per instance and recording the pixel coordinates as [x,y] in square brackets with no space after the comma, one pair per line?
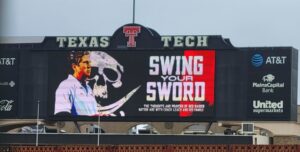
[8,84]
[269,84]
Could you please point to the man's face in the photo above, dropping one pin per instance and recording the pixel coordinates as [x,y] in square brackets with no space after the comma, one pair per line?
[83,69]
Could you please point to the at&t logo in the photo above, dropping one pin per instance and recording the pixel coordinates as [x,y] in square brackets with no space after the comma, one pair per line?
[257,60]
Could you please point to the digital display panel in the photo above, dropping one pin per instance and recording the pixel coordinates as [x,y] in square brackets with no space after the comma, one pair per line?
[152,85]
[9,68]
[269,84]
[160,78]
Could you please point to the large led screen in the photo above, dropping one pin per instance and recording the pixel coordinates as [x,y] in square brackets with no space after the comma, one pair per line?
[9,85]
[132,85]
[269,84]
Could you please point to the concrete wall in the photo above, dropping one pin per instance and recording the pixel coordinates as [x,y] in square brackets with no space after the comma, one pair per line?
[286,140]
[261,140]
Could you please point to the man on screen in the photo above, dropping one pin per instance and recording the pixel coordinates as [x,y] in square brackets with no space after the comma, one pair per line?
[73,95]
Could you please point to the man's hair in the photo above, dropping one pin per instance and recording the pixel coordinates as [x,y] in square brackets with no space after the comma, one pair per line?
[75,56]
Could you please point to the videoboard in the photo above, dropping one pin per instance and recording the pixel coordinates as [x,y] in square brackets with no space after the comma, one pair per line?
[138,75]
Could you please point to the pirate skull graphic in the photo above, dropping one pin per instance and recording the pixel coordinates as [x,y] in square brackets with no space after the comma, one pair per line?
[108,71]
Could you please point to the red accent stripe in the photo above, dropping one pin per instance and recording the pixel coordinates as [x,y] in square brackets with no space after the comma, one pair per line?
[208,77]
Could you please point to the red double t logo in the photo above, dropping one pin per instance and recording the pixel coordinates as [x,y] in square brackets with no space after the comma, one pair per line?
[131,32]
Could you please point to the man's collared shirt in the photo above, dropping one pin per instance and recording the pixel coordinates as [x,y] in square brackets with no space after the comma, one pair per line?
[72,97]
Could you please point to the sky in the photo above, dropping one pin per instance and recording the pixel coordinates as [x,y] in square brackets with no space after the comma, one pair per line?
[250,23]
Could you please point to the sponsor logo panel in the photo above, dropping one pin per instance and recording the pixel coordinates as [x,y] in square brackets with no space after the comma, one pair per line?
[8,83]
[268,84]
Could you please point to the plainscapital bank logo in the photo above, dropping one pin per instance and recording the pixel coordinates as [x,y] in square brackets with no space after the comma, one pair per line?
[6,105]
[257,60]
[267,106]
[268,85]
[268,78]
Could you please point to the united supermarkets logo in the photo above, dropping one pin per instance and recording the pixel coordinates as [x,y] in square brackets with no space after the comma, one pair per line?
[267,106]
[257,60]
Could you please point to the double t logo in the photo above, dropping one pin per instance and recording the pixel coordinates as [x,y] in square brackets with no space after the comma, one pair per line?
[131,32]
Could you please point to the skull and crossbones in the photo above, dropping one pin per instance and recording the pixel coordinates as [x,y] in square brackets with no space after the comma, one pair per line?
[105,62]
[109,72]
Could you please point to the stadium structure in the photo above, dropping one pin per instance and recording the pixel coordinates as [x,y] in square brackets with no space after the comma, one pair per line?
[147,88]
